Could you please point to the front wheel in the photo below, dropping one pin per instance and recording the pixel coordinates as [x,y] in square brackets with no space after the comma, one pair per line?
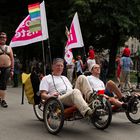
[102,116]
[133,112]
[38,110]
[53,115]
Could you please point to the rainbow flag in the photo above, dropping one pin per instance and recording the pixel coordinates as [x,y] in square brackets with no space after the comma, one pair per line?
[34,12]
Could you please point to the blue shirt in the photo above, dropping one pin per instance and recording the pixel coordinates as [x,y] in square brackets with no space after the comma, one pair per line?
[126,63]
[79,67]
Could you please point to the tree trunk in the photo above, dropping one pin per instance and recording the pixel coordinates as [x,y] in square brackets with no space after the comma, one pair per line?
[112,54]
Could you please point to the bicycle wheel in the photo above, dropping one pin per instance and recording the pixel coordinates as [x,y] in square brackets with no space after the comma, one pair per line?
[133,112]
[102,116]
[53,115]
[38,110]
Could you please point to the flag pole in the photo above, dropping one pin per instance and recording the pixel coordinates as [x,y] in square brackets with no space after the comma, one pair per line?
[44,62]
[50,57]
[44,17]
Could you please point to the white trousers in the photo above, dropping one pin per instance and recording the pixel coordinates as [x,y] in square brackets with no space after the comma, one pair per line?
[79,95]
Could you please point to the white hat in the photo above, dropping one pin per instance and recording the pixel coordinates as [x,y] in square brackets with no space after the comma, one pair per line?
[90,68]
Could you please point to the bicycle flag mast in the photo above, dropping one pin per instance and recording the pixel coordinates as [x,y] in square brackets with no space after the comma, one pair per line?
[33,29]
[75,39]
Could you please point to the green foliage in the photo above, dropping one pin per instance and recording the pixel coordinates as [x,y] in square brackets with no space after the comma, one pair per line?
[105,24]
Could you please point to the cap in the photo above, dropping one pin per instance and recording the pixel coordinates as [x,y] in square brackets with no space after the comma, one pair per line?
[91,67]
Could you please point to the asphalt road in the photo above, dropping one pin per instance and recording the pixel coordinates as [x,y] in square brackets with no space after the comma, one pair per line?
[18,122]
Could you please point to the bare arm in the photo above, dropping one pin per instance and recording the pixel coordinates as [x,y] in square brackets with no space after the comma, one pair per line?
[45,95]
[12,59]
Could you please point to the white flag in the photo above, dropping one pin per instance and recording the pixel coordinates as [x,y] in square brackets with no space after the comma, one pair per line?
[75,39]
[68,56]
[43,21]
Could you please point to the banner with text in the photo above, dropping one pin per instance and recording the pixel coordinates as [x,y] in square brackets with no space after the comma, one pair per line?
[23,35]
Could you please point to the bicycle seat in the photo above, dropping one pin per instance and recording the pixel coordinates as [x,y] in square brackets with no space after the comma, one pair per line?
[69,110]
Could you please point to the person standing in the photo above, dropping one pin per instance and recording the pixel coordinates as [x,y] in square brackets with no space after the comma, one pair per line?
[118,69]
[16,71]
[126,51]
[70,70]
[126,64]
[79,66]
[91,58]
[6,67]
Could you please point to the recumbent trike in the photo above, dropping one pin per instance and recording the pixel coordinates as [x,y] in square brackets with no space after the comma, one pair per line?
[54,113]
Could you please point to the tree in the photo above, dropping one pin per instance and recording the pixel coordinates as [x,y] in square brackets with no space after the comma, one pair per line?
[107,24]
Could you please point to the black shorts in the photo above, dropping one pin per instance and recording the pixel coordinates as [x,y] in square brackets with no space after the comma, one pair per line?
[108,93]
[4,76]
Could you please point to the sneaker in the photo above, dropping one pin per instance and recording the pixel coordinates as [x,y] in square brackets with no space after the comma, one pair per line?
[89,113]
[4,104]
[124,99]
[125,106]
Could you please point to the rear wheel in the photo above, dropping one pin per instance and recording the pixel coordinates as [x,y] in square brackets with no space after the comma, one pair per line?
[133,112]
[102,116]
[53,115]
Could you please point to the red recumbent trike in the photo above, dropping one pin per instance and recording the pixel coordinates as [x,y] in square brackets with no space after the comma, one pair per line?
[54,113]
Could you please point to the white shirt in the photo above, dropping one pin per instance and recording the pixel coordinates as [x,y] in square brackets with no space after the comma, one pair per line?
[51,84]
[96,83]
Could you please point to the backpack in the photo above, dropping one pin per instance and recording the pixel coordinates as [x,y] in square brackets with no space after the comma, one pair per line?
[31,87]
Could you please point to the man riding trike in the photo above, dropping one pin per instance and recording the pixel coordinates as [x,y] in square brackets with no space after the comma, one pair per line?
[59,98]
[129,103]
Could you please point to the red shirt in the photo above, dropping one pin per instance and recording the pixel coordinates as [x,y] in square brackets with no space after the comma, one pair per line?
[126,52]
[91,54]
